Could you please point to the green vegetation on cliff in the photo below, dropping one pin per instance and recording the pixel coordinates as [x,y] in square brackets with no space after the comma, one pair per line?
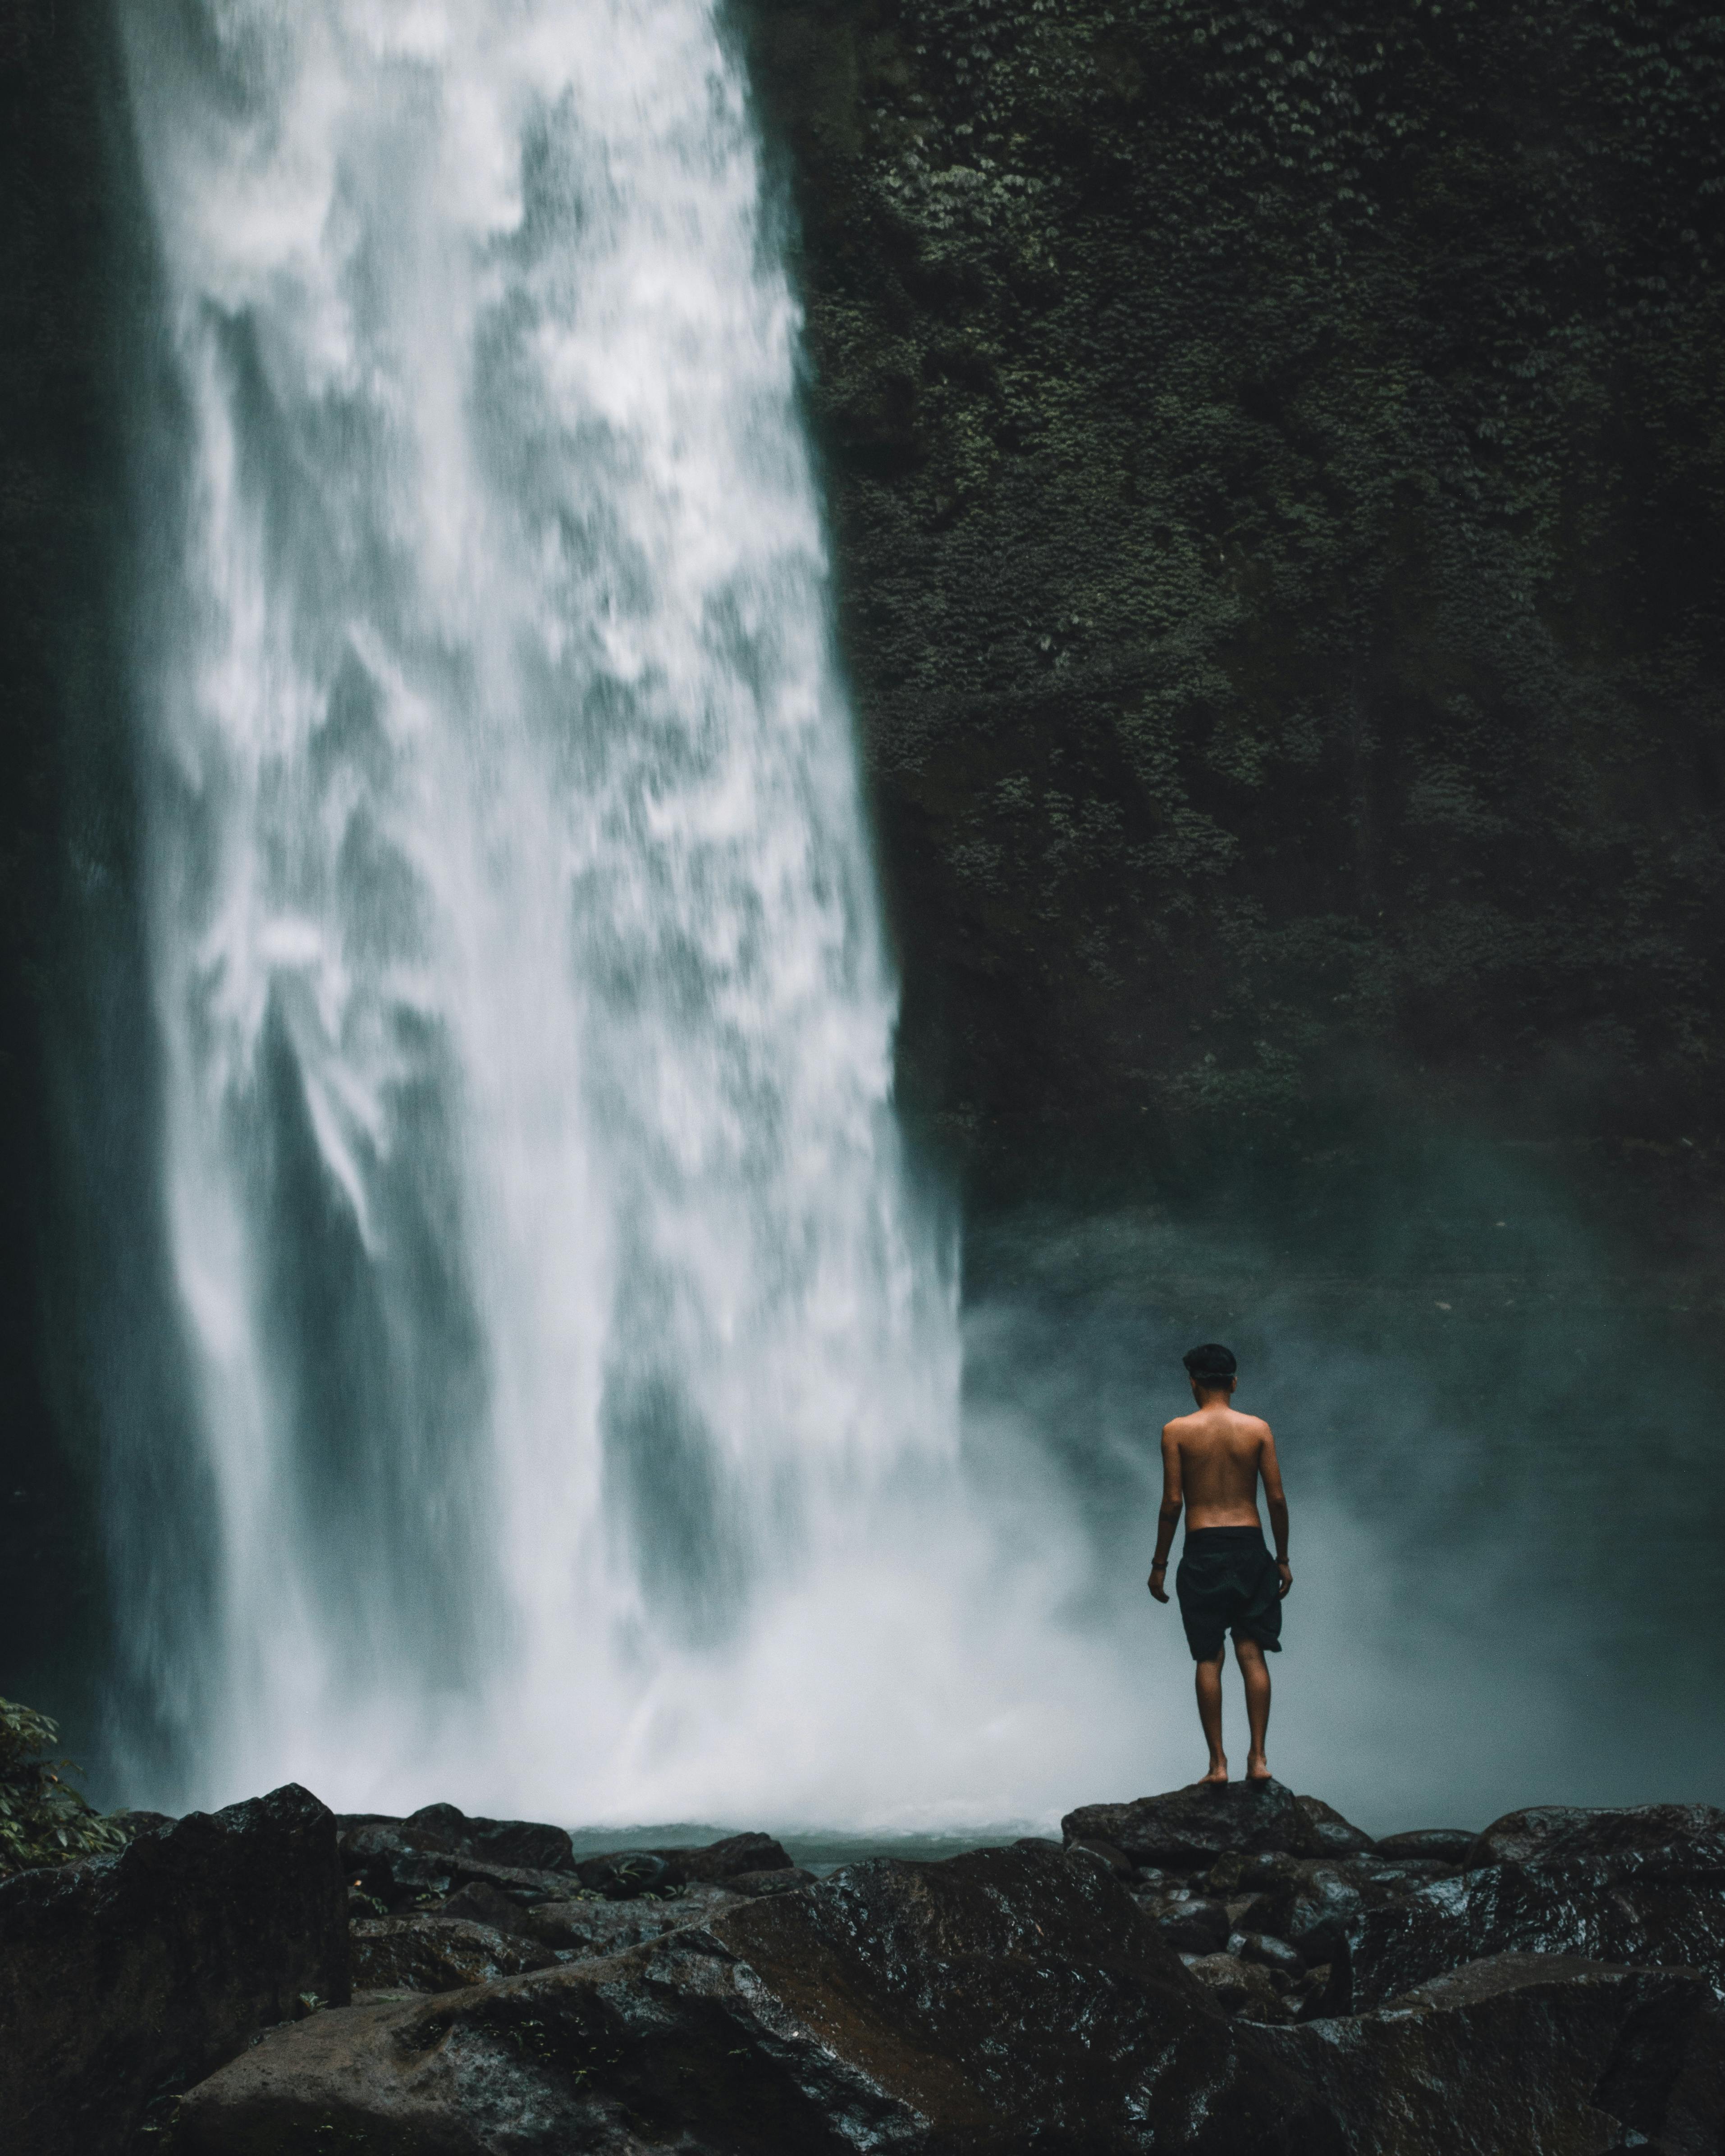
[1277,460]
[43,1819]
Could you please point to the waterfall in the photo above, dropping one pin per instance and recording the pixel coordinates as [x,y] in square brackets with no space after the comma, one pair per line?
[573,1370]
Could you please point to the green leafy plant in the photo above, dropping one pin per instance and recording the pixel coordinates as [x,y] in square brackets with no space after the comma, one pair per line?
[43,1819]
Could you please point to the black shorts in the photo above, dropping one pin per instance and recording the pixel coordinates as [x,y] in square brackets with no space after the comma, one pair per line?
[1227,1583]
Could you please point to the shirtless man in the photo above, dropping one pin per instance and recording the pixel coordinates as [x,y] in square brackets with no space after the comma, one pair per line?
[1227,1580]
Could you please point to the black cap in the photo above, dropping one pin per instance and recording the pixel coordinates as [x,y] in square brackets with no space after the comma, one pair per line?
[1212,1360]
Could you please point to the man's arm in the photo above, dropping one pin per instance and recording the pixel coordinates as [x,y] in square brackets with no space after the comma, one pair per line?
[1270,1469]
[1168,1518]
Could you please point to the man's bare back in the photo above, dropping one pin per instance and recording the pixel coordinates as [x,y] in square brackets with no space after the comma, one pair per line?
[1213,1458]
[1212,1463]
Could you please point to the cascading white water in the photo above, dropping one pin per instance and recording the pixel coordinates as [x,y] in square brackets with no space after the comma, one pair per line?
[576,1376]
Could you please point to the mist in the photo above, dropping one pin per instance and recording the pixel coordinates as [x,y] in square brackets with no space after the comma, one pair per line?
[1491,1405]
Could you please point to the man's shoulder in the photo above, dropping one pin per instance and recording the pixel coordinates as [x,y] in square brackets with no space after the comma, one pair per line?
[1250,1425]
[1198,1428]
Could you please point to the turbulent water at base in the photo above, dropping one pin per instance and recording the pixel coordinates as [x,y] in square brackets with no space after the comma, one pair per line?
[573,1371]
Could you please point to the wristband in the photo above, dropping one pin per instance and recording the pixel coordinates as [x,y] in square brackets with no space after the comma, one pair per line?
[1159,1564]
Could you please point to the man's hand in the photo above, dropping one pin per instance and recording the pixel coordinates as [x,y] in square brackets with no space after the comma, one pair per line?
[1157,1588]
[1287,1577]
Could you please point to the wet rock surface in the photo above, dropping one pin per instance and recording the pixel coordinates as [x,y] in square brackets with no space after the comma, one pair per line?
[1664,1905]
[1190,1921]
[587,1930]
[1241,1988]
[781,1879]
[1343,1935]
[1312,1904]
[482,1903]
[1439,1844]
[1641,1884]
[621,1875]
[393,1868]
[124,1979]
[626,1899]
[1333,1835]
[997,2001]
[737,1854]
[1111,1859]
[1206,1969]
[1199,1824]
[1522,2055]
[527,1845]
[438,1953]
[1578,1831]
[1268,1952]
[422,1859]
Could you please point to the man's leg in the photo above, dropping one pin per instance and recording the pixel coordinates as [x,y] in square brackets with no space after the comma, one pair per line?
[1209,1675]
[1256,1672]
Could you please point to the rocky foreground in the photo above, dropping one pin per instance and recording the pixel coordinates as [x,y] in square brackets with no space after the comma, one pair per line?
[1211,1970]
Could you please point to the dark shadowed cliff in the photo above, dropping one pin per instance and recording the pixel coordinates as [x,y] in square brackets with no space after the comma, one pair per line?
[1277,464]
[65,789]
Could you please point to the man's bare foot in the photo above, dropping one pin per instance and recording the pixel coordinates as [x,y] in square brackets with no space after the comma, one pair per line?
[1258,1768]
[1219,1773]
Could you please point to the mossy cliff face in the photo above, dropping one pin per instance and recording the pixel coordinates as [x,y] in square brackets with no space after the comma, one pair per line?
[1277,466]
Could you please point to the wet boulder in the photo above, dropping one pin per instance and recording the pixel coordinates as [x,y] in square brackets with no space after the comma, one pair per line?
[1590,1830]
[1104,1853]
[1521,2055]
[587,1930]
[1249,1913]
[622,1874]
[125,1978]
[1664,1905]
[1311,1904]
[1400,1874]
[1186,1829]
[438,1953]
[1234,1874]
[1268,1952]
[1189,1921]
[781,1879]
[1312,1994]
[480,1903]
[396,1869]
[1432,1844]
[998,2001]
[1333,1835]
[521,1845]
[718,1862]
[1244,1989]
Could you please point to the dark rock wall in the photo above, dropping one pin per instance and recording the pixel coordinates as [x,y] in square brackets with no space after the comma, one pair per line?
[82,1282]
[1277,466]
[61,461]
[124,1979]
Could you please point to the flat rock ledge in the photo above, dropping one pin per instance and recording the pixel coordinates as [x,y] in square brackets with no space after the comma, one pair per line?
[1209,1970]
